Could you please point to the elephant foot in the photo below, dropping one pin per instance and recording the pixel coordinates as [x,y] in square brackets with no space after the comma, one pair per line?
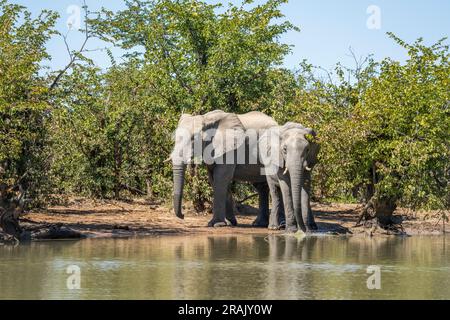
[260,223]
[214,223]
[280,226]
[312,226]
[231,222]
[291,229]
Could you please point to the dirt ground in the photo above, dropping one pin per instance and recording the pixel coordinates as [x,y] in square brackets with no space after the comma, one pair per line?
[95,218]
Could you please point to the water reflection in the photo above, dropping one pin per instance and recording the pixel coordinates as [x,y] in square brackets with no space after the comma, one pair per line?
[228,267]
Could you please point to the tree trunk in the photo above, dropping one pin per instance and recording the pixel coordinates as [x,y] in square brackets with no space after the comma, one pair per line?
[10,209]
[382,210]
[149,189]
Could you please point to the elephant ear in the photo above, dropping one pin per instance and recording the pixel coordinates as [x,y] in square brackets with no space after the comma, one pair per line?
[313,154]
[291,125]
[229,133]
[188,127]
[294,125]
[269,145]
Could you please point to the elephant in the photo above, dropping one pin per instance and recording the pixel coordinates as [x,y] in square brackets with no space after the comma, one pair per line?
[202,134]
[291,157]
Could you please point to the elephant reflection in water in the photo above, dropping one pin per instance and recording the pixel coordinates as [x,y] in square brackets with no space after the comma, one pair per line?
[242,266]
[198,265]
[288,273]
[289,248]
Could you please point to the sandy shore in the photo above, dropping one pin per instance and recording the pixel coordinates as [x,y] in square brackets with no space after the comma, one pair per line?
[94,218]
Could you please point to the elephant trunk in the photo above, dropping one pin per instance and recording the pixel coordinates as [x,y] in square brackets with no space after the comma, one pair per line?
[178,186]
[297,181]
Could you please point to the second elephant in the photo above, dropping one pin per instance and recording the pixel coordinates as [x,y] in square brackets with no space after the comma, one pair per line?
[292,156]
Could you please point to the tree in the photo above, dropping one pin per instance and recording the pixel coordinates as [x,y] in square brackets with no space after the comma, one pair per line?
[23,99]
[405,125]
[384,129]
[118,134]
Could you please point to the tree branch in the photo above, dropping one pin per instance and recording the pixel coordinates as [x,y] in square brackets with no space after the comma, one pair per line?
[74,55]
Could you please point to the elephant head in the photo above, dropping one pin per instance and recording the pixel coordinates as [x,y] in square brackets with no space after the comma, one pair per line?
[294,153]
[202,139]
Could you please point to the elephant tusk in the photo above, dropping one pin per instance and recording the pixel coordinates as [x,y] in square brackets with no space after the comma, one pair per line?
[285,171]
[308,169]
[167,160]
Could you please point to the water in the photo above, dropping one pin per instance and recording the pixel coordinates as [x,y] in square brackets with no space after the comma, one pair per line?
[228,267]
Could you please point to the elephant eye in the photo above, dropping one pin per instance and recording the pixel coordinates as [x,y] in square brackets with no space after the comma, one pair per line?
[284,149]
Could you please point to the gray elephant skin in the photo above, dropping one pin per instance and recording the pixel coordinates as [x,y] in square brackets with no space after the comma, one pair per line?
[221,174]
[290,176]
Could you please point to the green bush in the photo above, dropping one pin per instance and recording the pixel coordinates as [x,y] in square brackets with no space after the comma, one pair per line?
[24,107]
[384,135]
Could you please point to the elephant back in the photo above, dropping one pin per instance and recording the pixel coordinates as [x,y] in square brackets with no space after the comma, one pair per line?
[257,121]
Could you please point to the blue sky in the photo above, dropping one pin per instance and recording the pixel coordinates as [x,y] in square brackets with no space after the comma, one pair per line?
[328,28]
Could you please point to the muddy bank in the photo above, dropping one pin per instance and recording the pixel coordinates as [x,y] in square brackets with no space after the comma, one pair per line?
[88,218]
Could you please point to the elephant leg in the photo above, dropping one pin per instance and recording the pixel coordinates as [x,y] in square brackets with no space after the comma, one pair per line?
[276,219]
[311,221]
[222,177]
[262,220]
[285,187]
[231,218]
[211,176]
[306,204]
